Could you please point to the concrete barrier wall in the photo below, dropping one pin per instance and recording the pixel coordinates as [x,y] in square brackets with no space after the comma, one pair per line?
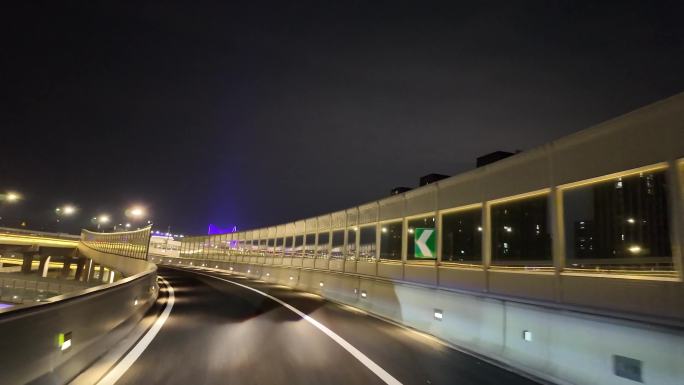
[96,318]
[126,266]
[641,285]
[564,346]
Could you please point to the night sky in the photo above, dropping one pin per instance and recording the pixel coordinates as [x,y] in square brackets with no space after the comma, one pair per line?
[260,112]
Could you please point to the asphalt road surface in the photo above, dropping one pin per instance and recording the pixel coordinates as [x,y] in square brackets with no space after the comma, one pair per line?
[221,333]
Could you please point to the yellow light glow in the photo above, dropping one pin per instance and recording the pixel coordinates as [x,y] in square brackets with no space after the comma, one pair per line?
[520,196]
[12,239]
[137,212]
[12,196]
[609,177]
[68,210]
[634,249]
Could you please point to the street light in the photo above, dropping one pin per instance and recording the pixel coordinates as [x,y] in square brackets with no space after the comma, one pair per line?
[101,220]
[63,212]
[12,196]
[66,210]
[136,213]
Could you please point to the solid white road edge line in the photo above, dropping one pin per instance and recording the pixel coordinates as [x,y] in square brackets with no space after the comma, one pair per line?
[375,368]
[120,369]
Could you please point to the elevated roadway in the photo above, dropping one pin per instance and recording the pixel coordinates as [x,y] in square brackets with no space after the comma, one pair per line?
[37,240]
[224,330]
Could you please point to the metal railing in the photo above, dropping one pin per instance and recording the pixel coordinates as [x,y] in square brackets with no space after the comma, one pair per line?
[132,244]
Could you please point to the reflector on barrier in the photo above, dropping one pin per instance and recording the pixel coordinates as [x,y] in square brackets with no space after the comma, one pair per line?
[64,340]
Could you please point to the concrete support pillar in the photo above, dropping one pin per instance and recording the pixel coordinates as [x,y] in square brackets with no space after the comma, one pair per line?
[66,267]
[27,263]
[81,264]
[44,266]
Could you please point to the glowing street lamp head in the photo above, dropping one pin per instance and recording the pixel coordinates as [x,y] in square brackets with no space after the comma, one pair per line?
[12,196]
[68,210]
[136,212]
[103,218]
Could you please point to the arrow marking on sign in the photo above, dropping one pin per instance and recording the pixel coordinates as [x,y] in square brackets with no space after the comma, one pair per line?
[420,242]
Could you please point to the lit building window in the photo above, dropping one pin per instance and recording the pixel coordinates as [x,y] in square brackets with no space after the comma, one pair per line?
[390,241]
[613,228]
[521,233]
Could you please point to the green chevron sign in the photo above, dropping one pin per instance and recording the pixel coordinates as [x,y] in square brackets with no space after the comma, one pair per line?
[424,243]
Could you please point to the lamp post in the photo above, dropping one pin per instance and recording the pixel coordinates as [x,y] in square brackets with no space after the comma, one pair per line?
[136,214]
[10,197]
[63,212]
[102,220]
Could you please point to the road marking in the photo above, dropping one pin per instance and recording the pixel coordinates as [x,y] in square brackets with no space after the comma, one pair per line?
[375,368]
[120,369]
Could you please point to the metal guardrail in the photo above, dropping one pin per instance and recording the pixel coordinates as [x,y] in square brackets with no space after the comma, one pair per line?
[131,244]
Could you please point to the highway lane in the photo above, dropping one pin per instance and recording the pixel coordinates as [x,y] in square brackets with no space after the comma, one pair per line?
[220,333]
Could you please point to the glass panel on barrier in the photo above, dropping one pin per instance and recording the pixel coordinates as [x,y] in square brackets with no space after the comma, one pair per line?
[462,236]
[310,246]
[421,241]
[337,250]
[350,249]
[299,246]
[289,246]
[323,248]
[367,243]
[521,234]
[390,240]
[619,225]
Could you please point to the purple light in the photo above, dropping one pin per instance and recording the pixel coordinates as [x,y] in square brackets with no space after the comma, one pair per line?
[213,229]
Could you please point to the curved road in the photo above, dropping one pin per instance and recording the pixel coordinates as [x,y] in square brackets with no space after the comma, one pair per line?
[221,333]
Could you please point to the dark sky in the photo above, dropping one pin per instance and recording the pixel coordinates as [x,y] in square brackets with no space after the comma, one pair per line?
[260,112]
